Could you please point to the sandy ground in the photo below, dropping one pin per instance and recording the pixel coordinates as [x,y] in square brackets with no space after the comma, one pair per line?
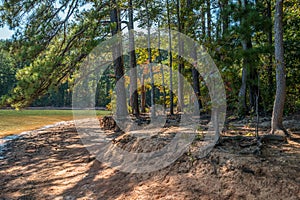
[53,164]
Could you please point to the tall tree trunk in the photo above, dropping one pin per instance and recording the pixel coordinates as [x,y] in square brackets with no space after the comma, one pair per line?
[108,87]
[203,21]
[242,109]
[150,60]
[224,15]
[277,115]
[170,62]
[143,93]
[196,76]
[253,74]
[195,73]
[218,26]
[253,84]
[121,110]
[180,104]
[162,70]
[208,21]
[249,74]
[270,41]
[132,62]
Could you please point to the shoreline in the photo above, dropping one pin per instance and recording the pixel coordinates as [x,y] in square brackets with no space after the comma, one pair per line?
[6,139]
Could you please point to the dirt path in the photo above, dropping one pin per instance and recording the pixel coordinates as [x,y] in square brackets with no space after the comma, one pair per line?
[53,164]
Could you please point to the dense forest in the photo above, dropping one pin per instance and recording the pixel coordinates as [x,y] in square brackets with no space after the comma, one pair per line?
[254,44]
[201,99]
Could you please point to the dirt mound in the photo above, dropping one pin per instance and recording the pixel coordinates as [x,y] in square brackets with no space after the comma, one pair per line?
[53,164]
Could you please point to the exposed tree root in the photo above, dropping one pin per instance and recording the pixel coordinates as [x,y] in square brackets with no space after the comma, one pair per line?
[280,131]
[250,142]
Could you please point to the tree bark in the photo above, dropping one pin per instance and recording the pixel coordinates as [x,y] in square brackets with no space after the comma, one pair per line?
[270,41]
[208,20]
[242,93]
[180,104]
[253,86]
[249,74]
[121,107]
[170,62]
[132,62]
[203,21]
[195,73]
[243,109]
[150,61]
[224,15]
[277,115]
[143,94]
[162,70]
[196,83]
[218,26]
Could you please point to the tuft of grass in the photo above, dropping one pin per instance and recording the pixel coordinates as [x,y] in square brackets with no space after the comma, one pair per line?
[14,122]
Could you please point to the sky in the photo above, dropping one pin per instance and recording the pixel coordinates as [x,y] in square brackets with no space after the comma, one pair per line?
[5,33]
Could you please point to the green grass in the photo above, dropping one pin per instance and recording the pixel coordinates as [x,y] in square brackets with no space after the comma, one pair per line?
[14,122]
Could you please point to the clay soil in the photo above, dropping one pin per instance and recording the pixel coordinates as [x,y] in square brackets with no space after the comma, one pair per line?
[54,164]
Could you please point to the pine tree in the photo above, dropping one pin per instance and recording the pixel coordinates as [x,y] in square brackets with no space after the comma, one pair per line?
[277,115]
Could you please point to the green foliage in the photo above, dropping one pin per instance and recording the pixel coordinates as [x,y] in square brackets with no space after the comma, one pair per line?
[39,65]
[50,47]
[7,68]
[292,53]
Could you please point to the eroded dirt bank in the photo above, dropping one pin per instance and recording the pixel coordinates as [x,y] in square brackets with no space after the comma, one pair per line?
[53,164]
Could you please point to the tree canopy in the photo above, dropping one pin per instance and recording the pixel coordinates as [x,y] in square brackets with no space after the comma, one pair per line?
[52,38]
